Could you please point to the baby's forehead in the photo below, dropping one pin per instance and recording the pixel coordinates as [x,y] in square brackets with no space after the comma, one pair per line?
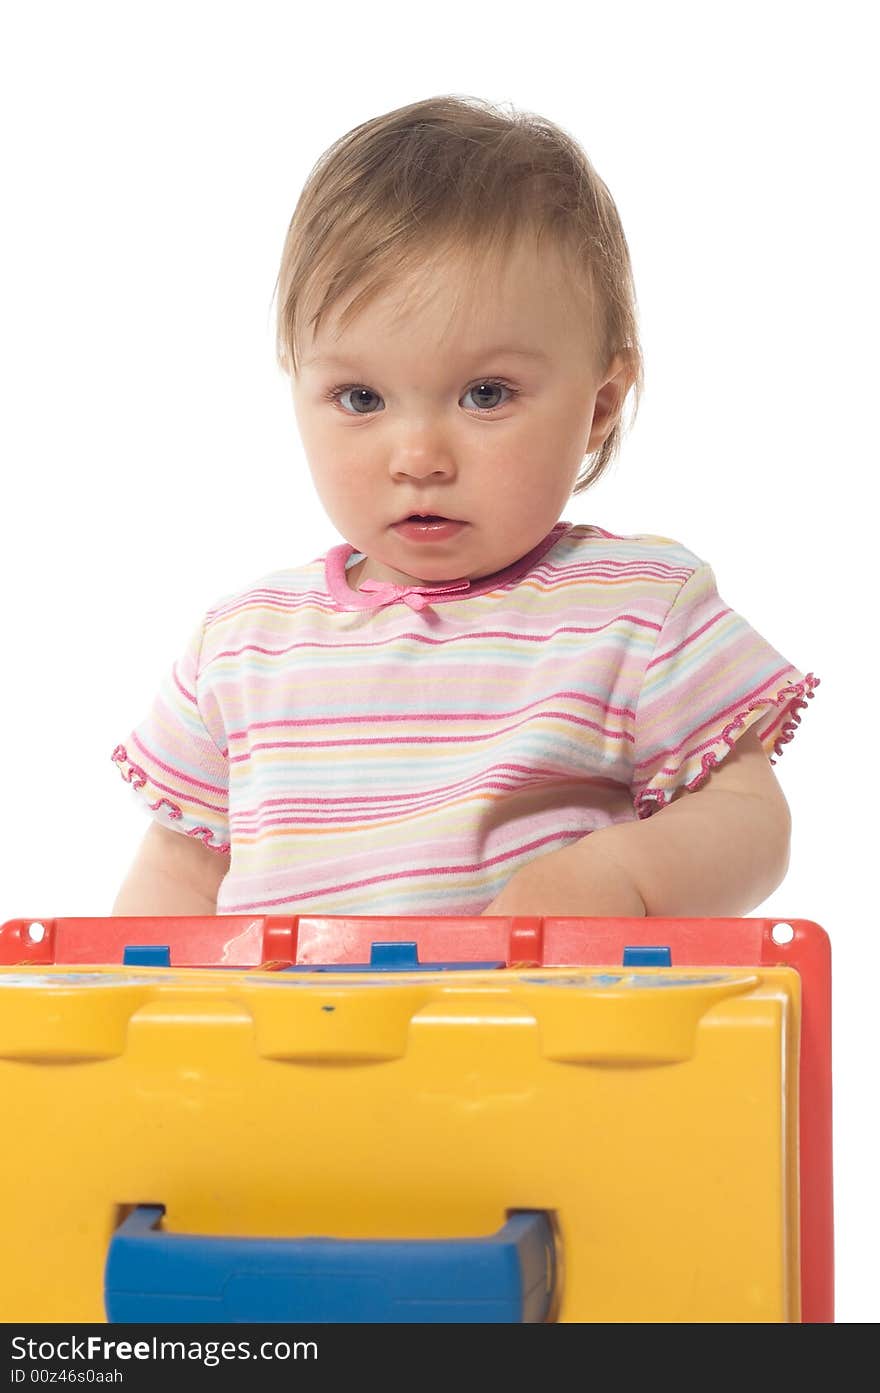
[488,274]
[478,299]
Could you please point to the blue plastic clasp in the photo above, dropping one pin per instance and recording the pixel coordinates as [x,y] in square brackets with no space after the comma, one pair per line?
[647,957]
[146,955]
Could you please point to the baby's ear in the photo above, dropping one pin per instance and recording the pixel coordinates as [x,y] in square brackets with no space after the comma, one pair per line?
[616,382]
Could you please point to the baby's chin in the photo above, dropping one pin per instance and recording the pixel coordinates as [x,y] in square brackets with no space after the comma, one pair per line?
[463,555]
[443,564]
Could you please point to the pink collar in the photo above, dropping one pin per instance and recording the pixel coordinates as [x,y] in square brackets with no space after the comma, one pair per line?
[374,594]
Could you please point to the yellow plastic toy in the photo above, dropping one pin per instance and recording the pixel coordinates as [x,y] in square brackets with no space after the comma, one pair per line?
[361,1122]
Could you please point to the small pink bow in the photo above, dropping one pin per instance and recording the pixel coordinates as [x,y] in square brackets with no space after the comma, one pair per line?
[416,596]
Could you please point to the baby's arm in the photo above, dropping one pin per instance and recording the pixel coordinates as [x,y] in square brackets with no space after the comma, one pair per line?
[720,850]
[717,851]
[172,874]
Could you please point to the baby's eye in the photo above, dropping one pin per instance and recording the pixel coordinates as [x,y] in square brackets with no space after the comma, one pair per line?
[360,396]
[490,387]
[359,393]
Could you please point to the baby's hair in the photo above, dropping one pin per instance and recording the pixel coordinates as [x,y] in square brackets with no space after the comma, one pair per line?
[456,176]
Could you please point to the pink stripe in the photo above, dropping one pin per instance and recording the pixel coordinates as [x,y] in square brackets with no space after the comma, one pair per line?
[180,687]
[313,644]
[742,705]
[241,602]
[177,773]
[691,638]
[783,716]
[368,800]
[390,742]
[428,871]
[392,717]
[353,811]
[611,569]
[187,798]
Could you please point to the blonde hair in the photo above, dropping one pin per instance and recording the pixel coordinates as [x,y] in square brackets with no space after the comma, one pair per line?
[455,175]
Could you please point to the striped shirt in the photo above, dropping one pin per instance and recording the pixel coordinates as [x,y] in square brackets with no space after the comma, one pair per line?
[393,751]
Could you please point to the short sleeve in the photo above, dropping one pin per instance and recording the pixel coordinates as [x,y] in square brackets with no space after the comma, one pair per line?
[710,678]
[175,762]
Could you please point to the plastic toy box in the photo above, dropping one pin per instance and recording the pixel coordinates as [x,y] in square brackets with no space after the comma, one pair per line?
[386,1120]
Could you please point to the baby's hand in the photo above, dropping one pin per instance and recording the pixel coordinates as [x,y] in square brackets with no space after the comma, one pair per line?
[578,880]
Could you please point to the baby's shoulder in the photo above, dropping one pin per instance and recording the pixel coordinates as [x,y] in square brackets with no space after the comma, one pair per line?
[262,605]
[640,552]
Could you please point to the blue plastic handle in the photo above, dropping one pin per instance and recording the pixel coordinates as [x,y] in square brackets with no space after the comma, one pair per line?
[506,1277]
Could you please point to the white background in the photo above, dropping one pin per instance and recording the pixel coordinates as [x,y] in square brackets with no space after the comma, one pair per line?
[153,155]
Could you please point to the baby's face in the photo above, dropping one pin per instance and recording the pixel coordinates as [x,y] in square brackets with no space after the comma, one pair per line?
[479,409]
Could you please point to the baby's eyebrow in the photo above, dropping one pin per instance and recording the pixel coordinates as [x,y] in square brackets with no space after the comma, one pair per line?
[339,360]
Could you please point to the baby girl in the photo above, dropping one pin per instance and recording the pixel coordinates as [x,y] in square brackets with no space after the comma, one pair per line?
[471,705]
